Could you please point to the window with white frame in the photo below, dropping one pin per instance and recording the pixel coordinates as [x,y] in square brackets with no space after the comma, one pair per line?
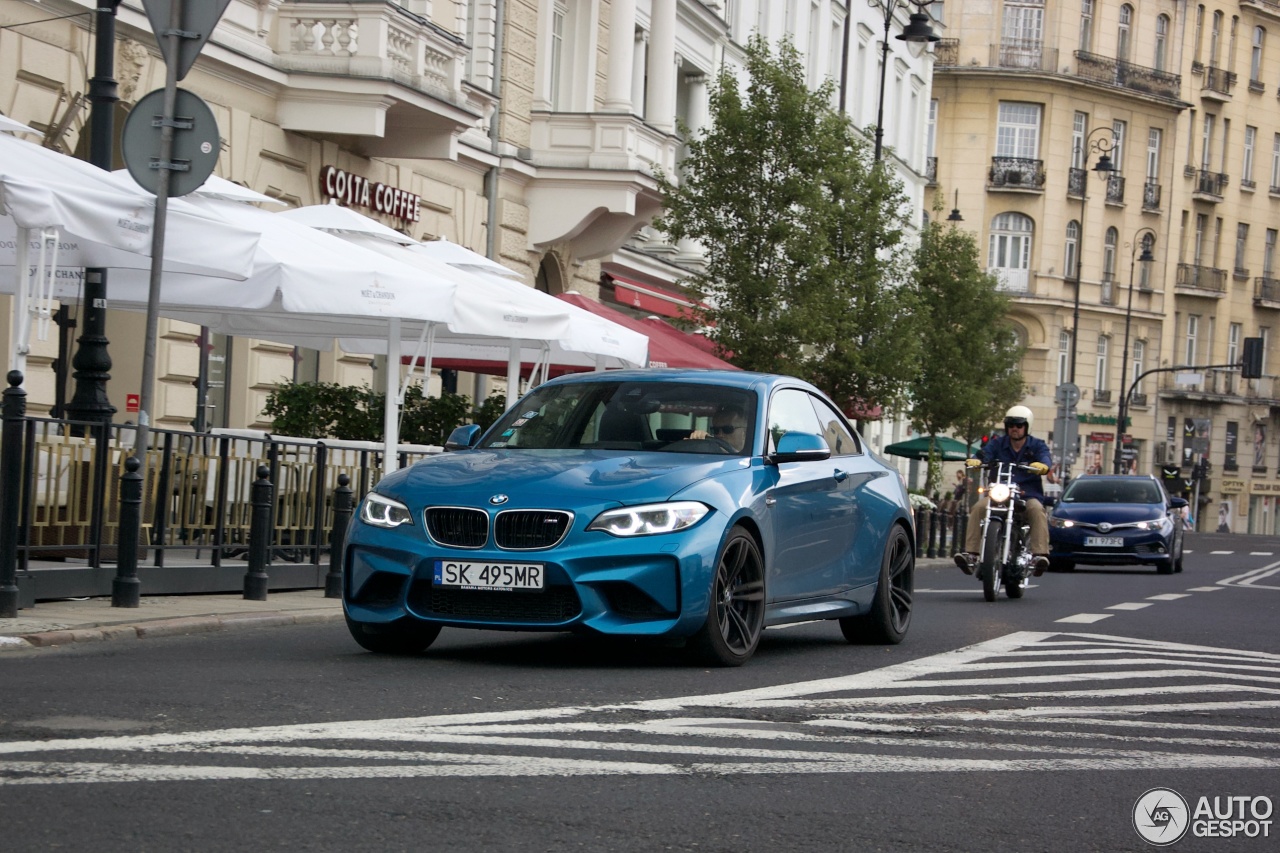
[1215,38]
[1206,142]
[1109,243]
[1122,32]
[1255,56]
[1197,248]
[1119,134]
[1064,355]
[1234,332]
[1138,363]
[1193,332]
[1018,130]
[1086,25]
[1269,253]
[1250,141]
[559,23]
[1199,33]
[1242,240]
[1079,128]
[1100,372]
[1162,42]
[1153,154]
[1275,163]
[1009,252]
[1071,256]
[931,135]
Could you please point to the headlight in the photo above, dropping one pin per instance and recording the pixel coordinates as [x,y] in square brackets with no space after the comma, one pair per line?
[999,493]
[1154,524]
[650,518]
[382,511]
[1054,521]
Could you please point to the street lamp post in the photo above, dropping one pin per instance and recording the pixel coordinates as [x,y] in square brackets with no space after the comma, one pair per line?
[1143,238]
[1105,167]
[917,31]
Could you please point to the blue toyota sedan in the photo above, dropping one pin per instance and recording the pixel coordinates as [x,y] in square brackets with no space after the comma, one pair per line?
[673,504]
[1116,520]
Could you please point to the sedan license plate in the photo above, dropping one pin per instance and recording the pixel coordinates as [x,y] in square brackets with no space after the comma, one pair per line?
[492,576]
[1103,542]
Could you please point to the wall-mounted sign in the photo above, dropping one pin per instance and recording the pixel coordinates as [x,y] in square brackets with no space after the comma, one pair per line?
[1232,487]
[1263,487]
[355,191]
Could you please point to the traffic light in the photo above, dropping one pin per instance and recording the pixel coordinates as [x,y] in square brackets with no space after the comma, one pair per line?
[985,439]
[1251,363]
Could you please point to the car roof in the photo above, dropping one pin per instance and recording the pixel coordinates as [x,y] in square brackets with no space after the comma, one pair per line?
[744,379]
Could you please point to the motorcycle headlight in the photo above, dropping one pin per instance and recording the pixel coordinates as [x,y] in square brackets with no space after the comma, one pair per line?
[650,519]
[999,493]
[382,511]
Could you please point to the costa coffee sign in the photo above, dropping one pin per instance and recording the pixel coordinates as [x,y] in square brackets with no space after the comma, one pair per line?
[355,191]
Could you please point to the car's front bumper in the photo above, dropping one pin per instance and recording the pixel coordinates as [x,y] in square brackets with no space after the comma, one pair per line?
[626,586]
[1140,547]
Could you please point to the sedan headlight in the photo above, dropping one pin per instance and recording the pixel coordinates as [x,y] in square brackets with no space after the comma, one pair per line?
[1054,521]
[999,493]
[382,511]
[1162,523]
[650,518]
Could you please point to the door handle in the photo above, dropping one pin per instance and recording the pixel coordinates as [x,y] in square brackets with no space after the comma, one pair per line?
[770,501]
[841,476]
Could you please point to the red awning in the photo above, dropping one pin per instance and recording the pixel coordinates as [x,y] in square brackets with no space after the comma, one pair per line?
[648,297]
[668,346]
[698,340]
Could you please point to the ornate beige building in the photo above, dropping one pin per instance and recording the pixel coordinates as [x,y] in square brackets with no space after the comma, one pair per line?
[1182,99]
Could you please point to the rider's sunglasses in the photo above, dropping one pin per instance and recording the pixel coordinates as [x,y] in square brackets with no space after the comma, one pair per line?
[1015,423]
[723,430]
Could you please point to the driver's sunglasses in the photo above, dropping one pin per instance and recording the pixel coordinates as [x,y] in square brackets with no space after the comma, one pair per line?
[1013,424]
[723,430]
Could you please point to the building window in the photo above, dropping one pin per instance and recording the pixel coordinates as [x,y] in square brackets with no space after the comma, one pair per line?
[1255,58]
[1009,253]
[1153,154]
[1122,35]
[1079,127]
[559,17]
[1119,133]
[1242,238]
[1071,257]
[1018,130]
[1250,141]
[1139,364]
[1109,244]
[1193,331]
[1233,342]
[1100,375]
[1215,39]
[1086,25]
[1162,41]
[1064,355]
[1269,253]
[1206,142]
[1199,32]
[1144,270]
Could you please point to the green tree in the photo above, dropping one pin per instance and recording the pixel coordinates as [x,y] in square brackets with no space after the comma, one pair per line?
[804,268]
[968,374]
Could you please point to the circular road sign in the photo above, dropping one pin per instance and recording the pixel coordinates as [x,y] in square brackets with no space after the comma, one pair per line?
[195,142]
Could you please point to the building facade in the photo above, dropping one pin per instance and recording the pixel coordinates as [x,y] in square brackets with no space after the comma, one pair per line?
[1181,100]
[528,131]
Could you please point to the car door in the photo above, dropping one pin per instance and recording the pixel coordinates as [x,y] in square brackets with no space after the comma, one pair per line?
[809,509]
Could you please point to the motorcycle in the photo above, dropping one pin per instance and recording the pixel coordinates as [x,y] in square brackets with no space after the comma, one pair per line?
[1006,559]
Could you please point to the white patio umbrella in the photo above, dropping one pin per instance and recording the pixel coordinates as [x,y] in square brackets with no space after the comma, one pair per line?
[12,126]
[463,258]
[75,215]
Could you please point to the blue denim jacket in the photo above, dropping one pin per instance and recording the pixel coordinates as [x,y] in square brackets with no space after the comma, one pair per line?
[1000,449]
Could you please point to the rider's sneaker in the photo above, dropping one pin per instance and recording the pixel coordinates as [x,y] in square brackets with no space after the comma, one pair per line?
[1039,565]
[965,562]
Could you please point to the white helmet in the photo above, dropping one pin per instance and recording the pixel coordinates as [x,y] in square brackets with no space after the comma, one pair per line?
[1018,413]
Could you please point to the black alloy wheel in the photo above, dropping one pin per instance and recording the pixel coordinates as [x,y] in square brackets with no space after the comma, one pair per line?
[890,614]
[735,615]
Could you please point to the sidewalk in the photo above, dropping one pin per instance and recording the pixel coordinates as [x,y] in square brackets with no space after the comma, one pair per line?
[94,620]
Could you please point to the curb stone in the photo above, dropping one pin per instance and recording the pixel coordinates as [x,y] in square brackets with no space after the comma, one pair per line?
[176,627]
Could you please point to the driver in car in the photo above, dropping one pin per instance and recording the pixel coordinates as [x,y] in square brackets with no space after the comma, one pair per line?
[729,425]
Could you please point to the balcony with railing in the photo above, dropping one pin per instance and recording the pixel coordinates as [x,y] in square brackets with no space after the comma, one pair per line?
[1209,185]
[946,53]
[1151,196]
[1268,8]
[1118,72]
[1017,173]
[1077,182]
[1218,83]
[1025,54]
[1266,292]
[1115,189]
[374,71]
[1138,399]
[1240,273]
[1197,280]
[1102,397]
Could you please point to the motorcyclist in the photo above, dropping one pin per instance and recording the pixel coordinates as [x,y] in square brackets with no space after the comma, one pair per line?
[1017,445]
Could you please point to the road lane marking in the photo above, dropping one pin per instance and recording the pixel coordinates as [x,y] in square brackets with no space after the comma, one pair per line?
[1087,618]
[1204,589]
[1222,553]
[1130,605]
[1168,596]
[1251,578]
[1028,701]
[1261,553]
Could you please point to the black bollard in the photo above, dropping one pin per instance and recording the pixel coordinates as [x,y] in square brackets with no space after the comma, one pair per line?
[943,522]
[933,534]
[15,413]
[255,579]
[125,587]
[920,532]
[338,536]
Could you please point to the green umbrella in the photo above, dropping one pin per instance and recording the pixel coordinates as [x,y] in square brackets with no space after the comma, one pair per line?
[947,449]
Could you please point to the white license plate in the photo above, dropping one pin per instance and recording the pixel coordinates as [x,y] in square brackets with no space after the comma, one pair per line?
[1103,541]
[505,576]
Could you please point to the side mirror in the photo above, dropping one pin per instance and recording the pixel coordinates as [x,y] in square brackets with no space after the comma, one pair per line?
[463,438]
[800,447]
[1178,503]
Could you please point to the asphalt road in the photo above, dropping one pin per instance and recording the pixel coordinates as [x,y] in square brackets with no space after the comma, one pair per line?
[1014,726]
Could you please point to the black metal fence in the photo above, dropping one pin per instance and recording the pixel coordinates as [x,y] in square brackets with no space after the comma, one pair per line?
[196,508]
[939,532]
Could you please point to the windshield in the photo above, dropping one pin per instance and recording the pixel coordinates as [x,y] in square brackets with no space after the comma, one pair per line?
[1113,492]
[673,417]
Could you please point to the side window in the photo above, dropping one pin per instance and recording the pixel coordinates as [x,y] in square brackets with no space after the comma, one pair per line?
[791,411]
[841,441]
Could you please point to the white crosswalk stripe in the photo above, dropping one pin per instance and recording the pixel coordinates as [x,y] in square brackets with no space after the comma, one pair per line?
[1025,701]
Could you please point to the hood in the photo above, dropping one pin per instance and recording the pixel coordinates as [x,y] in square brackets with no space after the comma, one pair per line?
[552,477]
[1111,512]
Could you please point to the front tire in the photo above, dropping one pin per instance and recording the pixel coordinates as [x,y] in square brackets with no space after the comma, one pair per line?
[890,614]
[990,568]
[402,637]
[735,615]
[1014,589]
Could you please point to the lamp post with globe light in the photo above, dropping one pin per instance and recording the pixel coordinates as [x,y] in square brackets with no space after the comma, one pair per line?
[1144,239]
